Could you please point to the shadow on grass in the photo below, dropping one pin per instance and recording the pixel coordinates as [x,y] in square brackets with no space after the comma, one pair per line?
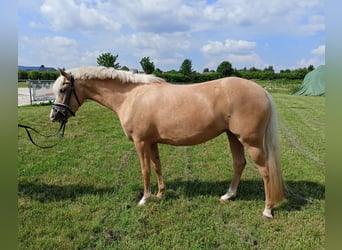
[301,192]
[49,192]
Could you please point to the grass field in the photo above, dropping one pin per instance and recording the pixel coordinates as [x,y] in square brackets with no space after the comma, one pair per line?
[83,193]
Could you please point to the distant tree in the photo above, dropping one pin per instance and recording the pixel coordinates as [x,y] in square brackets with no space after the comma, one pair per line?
[22,74]
[108,60]
[33,75]
[236,73]
[125,68]
[147,65]
[269,69]
[44,75]
[311,68]
[186,67]
[53,75]
[225,68]
[205,70]
[253,69]
[158,70]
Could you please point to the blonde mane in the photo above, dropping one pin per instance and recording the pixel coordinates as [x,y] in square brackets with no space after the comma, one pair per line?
[104,73]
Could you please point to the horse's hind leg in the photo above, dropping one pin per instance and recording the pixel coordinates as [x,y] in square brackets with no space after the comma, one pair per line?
[157,168]
[258,156]
[239,163]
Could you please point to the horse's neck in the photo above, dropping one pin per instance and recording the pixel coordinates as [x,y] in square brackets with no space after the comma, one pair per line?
[109,93]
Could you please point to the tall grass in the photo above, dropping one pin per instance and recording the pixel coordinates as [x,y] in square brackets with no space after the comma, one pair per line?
[83,193]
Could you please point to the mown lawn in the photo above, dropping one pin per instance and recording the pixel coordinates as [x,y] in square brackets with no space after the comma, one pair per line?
[83,193]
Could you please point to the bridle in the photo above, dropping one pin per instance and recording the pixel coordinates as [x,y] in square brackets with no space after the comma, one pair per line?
[62,109]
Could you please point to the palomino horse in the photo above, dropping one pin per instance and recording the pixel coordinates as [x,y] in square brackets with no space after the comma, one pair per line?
[152,111]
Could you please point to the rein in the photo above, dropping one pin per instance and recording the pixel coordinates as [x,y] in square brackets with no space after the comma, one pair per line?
[62,110]
[27,129]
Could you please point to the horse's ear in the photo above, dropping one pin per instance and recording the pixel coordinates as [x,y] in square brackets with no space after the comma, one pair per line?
[65,74]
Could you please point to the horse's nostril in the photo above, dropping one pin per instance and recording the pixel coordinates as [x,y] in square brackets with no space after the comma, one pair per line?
[52,115]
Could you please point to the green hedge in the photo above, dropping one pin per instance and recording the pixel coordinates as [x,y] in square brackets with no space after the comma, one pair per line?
[177,77]
[34,75]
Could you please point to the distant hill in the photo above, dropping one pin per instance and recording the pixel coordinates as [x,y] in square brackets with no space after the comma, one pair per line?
[38,68]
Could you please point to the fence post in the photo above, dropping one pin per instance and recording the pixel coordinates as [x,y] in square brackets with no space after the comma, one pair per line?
[30,88]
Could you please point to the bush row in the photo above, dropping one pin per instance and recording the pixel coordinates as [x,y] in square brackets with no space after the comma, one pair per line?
[34,75]
[177,77]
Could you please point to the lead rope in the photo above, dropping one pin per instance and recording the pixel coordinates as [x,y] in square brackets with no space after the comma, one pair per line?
[28,128]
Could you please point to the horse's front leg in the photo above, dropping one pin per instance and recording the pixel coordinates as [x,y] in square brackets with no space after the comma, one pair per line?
[144,151]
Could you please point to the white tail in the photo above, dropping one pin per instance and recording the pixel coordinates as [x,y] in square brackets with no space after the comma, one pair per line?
[271,144]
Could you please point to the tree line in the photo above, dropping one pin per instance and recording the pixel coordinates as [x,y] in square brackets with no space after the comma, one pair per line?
[35,74]
[185,74]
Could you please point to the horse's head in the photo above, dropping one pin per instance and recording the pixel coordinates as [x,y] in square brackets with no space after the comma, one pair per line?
[67,102]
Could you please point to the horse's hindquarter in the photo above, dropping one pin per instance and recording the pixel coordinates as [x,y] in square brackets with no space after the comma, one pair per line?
[182,114]
[250,108]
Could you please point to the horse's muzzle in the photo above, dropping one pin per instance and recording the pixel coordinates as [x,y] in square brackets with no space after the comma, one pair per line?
[60,112]
[58,115]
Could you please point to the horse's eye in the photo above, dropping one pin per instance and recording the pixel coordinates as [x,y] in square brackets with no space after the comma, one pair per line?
[62,91]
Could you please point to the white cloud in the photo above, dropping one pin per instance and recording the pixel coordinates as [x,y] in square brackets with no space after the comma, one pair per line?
[89,58]
[165,50]
[167,31]
[69,15]
[317,58]
[319,51]
[304,63]
[229,46]
[50,43]
[213,47]
[239,52]
[56,51]
[35,25]
[159,16]
[245,17]
[312,25]
[247,60]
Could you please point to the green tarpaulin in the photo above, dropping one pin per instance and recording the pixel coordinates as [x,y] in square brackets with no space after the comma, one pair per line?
[313,83]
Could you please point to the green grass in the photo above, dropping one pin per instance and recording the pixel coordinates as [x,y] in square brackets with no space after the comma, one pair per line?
[83,193]
[283,86]
[22,85]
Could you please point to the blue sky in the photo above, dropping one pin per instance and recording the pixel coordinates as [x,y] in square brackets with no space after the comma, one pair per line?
[71,33]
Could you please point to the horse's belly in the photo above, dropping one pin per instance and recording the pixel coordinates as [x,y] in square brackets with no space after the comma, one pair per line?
[189,135]
[189,141]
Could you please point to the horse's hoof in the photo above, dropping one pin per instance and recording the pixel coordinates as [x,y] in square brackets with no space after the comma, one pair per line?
[142,202]
[267,214]
[227,196]
[222,201]
[160,195]
[266,217]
